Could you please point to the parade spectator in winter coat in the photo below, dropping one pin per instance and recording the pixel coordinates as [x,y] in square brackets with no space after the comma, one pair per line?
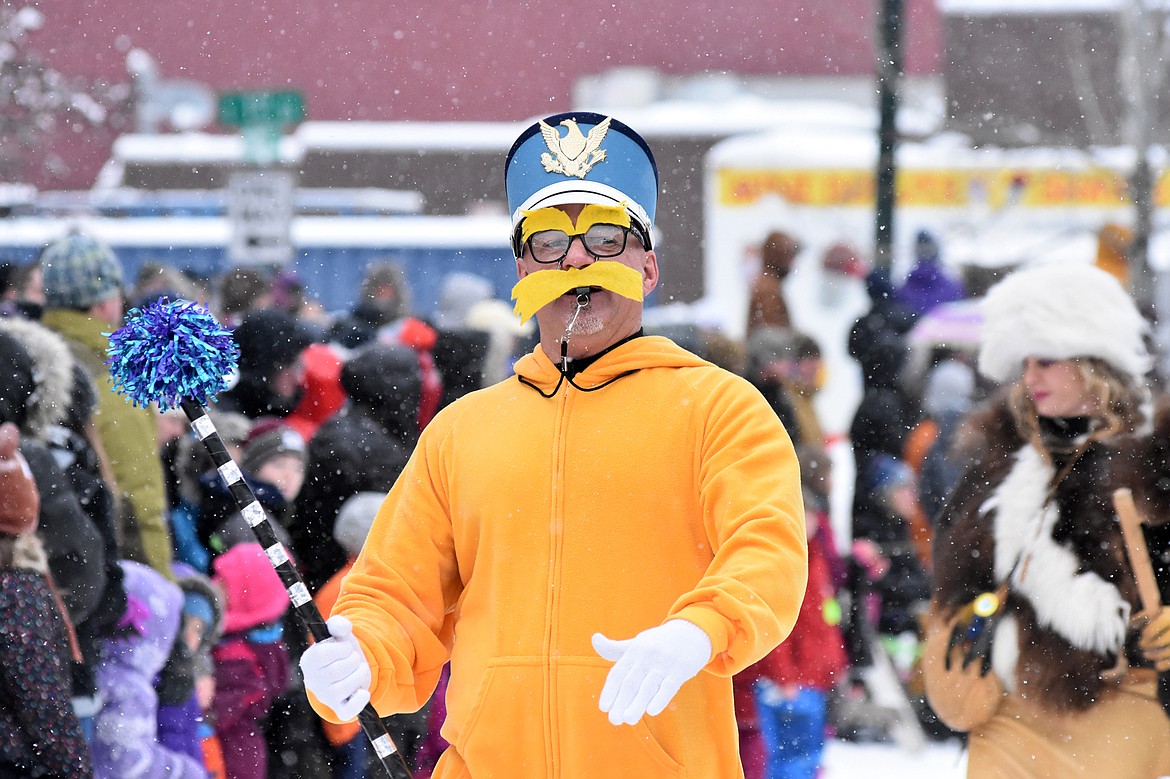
[363,448]
[240,291]
[384,298]
[126,735]
[83,291]
[786,366]
[191,482]
[886,414]
[460,350]
[946,402]
[23,293]
[322,395]
[251,659]
[40,735]
[383,314]
[597,545]
[275,454]
[270,382]
[766,304]
[881,423]
[59,417]
[272,460]
[1038,644]
[72,542]
[762,367]
[812,659]
[187,726]
[407,730]
[928,283]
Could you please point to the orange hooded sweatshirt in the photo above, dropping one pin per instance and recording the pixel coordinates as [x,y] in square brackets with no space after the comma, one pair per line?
[523,524]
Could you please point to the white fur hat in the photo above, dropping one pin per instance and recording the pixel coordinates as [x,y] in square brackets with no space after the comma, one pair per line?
[1060,311]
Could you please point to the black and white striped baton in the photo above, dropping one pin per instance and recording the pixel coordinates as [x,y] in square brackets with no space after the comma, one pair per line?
[298,593]
[174,354]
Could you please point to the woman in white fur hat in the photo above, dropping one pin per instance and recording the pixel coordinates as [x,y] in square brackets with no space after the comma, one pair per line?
[1037,645]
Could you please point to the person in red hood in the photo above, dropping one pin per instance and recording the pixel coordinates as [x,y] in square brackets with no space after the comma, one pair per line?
[322,395]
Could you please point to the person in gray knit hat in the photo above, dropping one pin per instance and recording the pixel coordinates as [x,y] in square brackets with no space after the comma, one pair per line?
[83,301]
[79,272]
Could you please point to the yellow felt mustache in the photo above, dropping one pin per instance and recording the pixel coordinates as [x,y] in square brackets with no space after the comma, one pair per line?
[555,219]
[537,290]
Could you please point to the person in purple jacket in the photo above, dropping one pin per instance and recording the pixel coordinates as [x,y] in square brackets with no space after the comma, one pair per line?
[126,744]
[928,283]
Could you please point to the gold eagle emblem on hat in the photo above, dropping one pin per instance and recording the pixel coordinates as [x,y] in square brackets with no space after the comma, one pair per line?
[574,153]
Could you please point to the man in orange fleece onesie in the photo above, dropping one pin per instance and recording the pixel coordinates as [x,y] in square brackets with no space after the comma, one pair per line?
[614,531]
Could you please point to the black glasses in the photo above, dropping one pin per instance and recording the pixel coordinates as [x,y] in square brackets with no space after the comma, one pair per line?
[600,240]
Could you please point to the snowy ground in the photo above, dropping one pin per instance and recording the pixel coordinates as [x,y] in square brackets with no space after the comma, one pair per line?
[844,760]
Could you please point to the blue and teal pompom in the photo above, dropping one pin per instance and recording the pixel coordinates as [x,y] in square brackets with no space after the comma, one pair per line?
[168,352]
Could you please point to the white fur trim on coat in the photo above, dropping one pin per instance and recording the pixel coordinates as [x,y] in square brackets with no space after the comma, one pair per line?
[53,373]
[1060,311]
[1005,652]
[1083,608]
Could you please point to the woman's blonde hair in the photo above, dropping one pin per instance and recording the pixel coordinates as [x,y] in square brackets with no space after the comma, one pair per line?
[1119,400]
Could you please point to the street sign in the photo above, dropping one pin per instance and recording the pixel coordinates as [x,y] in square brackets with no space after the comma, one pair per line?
[244,109]
[260,210]
[261,117]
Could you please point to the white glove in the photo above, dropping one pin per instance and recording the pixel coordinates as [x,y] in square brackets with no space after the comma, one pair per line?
[336,671]
[650,668]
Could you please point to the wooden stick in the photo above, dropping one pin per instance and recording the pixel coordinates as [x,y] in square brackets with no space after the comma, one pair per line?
[1135,547]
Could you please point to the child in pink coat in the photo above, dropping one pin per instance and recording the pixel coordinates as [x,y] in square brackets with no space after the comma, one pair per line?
[251,660]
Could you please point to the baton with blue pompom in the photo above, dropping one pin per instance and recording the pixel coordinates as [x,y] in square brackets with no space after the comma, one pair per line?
[175,354]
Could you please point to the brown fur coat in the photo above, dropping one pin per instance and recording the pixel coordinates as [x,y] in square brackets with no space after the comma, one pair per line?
[1067,619]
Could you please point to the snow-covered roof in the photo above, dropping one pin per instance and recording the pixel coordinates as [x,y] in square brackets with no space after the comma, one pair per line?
[12,194]
[841,146]
[740,114]
[395,136]
[1034,7]
[307,231]
[194,147]
[731,115]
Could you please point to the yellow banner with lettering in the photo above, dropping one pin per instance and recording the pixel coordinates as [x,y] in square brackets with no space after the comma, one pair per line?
[934,188]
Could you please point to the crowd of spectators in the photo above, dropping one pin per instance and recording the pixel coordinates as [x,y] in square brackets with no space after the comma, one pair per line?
[167,633]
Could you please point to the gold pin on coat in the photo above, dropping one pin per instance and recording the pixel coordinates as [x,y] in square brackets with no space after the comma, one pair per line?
[574,153]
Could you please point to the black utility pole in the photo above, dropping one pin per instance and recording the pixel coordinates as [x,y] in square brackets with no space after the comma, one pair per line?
[889,71]
[1140,83]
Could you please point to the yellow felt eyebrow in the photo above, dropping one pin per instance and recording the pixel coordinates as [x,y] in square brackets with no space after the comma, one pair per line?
[537,290]
[545,219]
[555,219]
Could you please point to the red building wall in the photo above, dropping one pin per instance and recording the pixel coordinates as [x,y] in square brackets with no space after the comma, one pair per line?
[449,60]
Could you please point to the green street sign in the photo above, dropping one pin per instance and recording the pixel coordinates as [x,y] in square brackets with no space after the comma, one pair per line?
[247,109]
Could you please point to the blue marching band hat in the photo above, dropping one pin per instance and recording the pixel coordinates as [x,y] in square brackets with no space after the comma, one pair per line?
[581,157]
